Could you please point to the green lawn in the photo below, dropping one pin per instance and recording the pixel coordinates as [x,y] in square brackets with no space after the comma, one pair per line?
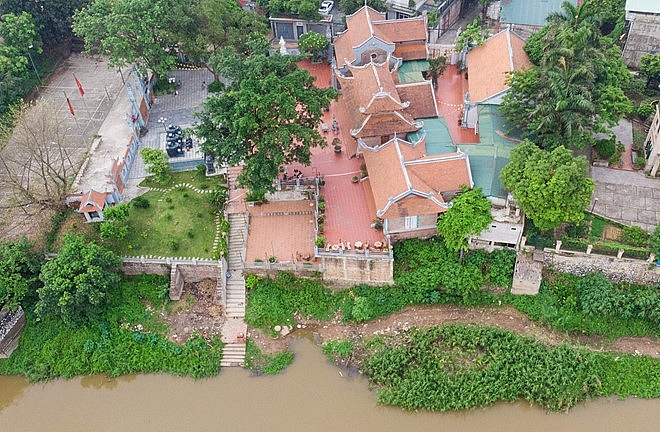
[181,225]
[190,177]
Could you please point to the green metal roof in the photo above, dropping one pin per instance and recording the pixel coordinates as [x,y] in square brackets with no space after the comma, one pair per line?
[438,138]
[530,12]
[648,6]
[411,71]
[487,158]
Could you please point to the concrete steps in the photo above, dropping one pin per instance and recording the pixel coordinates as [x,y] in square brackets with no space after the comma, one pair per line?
[233,354]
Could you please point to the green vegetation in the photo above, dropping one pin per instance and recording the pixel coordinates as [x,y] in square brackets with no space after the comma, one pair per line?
[126,338]
[157,163]
[314,44]
[19,267]
[269,364]
[460,367]
[194,179]
[468,215]
[550,187]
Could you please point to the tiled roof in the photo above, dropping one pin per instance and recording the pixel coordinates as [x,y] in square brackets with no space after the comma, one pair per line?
[406,182]
[92,201]
[421,98]
[489,63]
[374,104]
[368,23]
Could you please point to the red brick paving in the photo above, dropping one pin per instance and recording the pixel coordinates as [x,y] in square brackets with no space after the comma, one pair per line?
[450,93]
[288,237]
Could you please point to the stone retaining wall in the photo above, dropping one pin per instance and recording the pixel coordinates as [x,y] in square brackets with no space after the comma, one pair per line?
[370,271]
[11,326]
[615,269]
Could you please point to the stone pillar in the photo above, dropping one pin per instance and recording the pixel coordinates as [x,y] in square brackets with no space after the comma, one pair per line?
[619,254]
[558,246]
[589,248]
[651,259]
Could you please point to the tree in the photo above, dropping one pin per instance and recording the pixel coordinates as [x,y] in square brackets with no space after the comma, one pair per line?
[18,32]
[472,36]
[77,283]
[649,67]
[437,66]
[550,187]
[52,18]
[468,215]
[157,162]
[267,117]
[37,156]
[349,7]
[216,24]
[114,221]
[141,32]
[304,9]
[576,89]
[313,43]
[19,273]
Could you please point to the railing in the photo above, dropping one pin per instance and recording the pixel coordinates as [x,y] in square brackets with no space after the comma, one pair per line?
[354,253]
[282,266]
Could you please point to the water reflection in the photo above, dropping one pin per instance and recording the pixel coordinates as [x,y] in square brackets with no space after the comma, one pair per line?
[310,396]
[11,388]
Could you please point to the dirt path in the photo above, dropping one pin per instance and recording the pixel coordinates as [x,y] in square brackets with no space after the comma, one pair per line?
[506,318]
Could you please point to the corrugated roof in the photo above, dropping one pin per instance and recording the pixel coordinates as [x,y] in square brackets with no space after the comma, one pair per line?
[648,6]
[530,12]
[411,71]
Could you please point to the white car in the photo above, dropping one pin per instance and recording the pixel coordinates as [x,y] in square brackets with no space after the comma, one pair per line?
[326,7]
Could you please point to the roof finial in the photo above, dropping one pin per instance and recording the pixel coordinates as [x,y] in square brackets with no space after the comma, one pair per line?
[365,3]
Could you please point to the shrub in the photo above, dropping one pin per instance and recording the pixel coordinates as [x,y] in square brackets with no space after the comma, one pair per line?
[634,236]
[605,148]
[321,198]
[639,162]
[321,206]
[201,171]
[578,230]
[216,87]
[320,241]
[140,202]
[654,242]
[644,111]
[321,228]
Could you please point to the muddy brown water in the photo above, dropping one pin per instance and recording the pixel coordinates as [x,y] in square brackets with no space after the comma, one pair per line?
[311,395]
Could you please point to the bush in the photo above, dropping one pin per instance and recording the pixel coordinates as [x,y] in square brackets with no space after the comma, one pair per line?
[605,148]
[320,241]
[644,111]
[574,244]
[639,162]
[216,87]
[140,202]
[578,230]
[634,236]
[654,242]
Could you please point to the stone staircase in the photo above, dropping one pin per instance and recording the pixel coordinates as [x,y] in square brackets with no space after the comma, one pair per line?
[235,329]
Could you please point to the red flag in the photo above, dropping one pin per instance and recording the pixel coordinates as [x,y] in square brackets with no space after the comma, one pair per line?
[70,106]
[80,87]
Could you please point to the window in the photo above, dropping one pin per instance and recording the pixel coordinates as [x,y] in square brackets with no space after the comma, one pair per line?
[410,222]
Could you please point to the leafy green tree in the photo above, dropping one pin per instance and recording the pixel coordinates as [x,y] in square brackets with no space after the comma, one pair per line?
[52,18]
[473,35]
[114,221]
[468,215]
[649,67]
[267,117]
[314,43]
[141,32]
[156,161]
[550,187]
[437,66]
[18,33]
[216,24]
[305,9]
[19,273]
[78,282]
[349,7]
[654,242]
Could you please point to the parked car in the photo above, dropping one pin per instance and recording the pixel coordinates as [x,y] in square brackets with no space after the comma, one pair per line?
[326,7]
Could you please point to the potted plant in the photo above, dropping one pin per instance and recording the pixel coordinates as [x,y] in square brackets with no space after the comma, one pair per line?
[336,142]
[320,241]
[321,207]
[355,179]
[321,228]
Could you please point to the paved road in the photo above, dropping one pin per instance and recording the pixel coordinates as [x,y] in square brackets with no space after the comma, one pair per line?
[628,197]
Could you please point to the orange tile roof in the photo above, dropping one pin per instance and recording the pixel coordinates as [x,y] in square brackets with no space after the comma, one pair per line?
[421,98]
[376,91]
[368,23]
[92,201]
[489,63]
[406,182]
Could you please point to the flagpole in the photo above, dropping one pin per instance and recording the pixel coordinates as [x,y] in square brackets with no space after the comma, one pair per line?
[82,95]
[73,113]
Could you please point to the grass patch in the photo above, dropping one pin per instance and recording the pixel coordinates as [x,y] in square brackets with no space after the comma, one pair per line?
[191,177]
[268,364]
[127,339]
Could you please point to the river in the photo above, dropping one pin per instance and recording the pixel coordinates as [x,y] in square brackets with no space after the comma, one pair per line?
[311,395]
